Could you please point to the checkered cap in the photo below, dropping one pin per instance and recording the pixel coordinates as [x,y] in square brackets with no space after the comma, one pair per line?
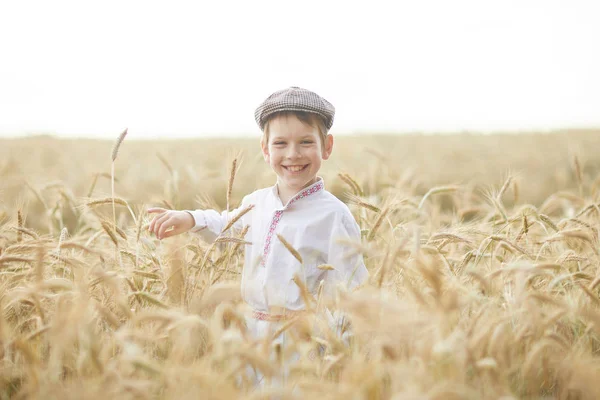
[294,99]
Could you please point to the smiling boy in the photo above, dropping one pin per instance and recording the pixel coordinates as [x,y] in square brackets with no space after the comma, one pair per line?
[296,211]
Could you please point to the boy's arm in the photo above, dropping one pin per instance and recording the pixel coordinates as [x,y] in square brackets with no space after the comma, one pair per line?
[209,224]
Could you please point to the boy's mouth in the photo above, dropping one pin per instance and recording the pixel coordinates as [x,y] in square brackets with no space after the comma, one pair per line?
[295,168]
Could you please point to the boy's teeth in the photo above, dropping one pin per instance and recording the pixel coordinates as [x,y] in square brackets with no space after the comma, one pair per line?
[295,168]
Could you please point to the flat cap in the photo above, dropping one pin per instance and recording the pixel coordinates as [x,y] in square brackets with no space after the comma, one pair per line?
[295,99]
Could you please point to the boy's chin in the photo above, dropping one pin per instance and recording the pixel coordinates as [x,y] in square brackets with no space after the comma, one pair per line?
[298,183]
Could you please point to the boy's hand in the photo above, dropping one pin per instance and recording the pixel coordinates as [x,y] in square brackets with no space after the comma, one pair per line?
[180,221]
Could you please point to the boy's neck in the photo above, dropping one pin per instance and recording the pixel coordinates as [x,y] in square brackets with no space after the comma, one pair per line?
[286,194]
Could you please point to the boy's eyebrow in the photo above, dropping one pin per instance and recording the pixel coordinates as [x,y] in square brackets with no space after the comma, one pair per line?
[283,138]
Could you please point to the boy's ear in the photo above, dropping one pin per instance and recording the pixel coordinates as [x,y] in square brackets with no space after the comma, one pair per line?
[265,149]
[327,147]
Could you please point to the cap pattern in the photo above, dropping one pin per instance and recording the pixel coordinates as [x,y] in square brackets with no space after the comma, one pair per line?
[294,99]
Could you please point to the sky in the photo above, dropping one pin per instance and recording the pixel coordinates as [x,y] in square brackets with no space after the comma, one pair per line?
[200,68]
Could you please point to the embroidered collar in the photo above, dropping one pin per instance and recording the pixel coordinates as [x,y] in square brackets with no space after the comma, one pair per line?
[307,191]
[277,215]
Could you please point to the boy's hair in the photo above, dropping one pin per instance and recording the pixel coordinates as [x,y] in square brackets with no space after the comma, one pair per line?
[307,118]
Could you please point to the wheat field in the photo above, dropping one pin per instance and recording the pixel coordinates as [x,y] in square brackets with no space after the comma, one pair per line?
[483,254]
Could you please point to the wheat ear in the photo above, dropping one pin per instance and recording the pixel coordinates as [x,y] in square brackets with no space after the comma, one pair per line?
[290,248]
[114,152]
[230,182]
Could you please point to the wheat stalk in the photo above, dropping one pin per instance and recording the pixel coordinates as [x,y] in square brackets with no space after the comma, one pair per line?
[290,248]
[377,224]
[110,231]
[578,174]
[113,201]
[503,188]
[227,239]
[232,173]
[362,203]
[239,215]
[27,232]
[355,187]
[115,149]
[114,153]
[10,259]
[437,190]
[19,225]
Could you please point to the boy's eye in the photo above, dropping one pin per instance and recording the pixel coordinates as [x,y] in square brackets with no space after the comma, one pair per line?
[279,143]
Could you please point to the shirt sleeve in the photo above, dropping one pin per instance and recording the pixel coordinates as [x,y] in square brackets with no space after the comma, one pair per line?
[349,270]
[209,224]
[347,260]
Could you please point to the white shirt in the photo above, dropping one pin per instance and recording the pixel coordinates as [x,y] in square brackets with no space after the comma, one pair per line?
[313,221]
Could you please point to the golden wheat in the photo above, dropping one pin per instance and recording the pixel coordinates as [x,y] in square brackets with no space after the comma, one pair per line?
[475,295]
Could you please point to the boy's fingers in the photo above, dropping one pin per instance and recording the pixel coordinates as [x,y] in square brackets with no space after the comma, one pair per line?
[158,223]
[163,227]
[153,222]
[168,234]
[170,228]
[152,225]
[157,231]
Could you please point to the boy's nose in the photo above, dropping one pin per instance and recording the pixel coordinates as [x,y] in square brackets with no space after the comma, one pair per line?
[293,152]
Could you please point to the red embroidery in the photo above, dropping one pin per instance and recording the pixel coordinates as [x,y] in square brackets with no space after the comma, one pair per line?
[277,216]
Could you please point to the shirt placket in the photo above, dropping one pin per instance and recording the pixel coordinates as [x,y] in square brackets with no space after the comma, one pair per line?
[274,222]
[277,215]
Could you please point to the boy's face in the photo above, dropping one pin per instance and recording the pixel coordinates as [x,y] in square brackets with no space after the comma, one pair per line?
[294,151]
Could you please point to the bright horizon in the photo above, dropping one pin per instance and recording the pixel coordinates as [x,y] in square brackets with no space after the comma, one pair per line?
[196,69]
